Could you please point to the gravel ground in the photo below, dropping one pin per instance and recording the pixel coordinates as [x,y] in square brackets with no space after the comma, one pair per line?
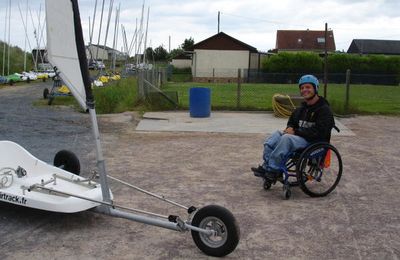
[359,220]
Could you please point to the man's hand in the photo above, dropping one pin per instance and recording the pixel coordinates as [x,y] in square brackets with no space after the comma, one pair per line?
[289,131]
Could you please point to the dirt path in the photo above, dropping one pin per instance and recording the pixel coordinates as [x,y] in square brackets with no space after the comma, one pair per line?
[359,220]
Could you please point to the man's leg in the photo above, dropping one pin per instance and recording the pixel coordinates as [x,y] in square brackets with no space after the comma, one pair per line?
[269,145]
[287,143]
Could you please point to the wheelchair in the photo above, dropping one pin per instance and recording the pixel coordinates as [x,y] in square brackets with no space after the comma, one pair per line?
[317,169]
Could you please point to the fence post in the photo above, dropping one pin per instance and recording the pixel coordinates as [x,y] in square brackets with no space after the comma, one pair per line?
[159,78]
[346,104]
[140,84]
[213,75]
[238,90]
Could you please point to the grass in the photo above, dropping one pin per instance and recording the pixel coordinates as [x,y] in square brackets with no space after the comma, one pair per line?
[120,96]
[363,99]
[115,97]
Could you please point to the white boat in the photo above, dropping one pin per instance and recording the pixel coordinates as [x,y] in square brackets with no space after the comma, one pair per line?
[30,182]
[27,181]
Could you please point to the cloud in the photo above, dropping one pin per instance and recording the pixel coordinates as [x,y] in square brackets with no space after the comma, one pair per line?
[253,22]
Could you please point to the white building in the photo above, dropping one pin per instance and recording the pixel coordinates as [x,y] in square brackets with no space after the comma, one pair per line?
[219,57]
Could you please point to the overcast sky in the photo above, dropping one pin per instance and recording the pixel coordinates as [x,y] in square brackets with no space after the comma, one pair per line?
[254,22]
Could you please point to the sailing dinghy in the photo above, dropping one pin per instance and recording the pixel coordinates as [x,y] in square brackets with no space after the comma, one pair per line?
[27,181]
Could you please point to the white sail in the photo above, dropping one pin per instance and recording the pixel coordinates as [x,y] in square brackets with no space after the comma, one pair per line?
[61,46]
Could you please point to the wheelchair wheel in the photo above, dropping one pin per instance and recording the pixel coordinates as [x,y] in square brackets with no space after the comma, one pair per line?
[267,185]
[319,169]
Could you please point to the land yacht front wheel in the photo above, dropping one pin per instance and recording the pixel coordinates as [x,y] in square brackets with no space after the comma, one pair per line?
[226,231]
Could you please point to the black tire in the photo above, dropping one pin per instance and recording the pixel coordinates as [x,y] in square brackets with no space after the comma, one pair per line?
[267,185]
[287,193]
[316,176]
[45,93]
[228,233]
[68,161]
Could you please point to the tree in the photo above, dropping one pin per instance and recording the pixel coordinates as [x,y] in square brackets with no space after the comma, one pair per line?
[187,45]
[150,54]
[174,53]
[160,53]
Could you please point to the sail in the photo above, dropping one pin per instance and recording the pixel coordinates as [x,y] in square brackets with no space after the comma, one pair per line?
[66,50]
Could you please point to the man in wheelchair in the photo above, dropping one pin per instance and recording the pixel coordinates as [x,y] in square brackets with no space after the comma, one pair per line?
[310,123]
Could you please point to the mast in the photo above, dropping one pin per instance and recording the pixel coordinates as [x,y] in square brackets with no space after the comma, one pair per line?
[4,43]
[94,18]
[26,18]
[9,42]
[80,45]
[108,25]
[101,23]
[145,37]
[24,23]
[115,37]
[66,51]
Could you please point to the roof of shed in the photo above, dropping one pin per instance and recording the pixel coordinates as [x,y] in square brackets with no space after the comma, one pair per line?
[222,41]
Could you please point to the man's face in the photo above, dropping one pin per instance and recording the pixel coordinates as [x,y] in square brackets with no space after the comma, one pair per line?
[307,90]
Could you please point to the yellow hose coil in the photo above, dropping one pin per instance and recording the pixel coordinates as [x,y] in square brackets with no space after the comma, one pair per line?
[282,110]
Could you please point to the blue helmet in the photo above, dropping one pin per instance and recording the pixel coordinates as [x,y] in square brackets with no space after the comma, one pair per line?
[309,79]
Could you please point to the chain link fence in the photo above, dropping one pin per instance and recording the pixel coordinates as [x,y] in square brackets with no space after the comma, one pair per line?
[239,89]
[149,88]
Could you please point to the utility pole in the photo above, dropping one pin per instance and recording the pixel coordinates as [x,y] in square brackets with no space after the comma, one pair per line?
[326,61]
[219,13]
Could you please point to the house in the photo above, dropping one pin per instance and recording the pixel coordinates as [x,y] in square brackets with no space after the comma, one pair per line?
[182,61]
[368,46]
[304,40]
[219,57]
[100,52]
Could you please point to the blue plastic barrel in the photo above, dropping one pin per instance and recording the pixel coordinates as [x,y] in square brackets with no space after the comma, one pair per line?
[200,102]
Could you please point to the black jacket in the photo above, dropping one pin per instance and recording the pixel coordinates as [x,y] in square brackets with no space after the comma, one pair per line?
[313,123]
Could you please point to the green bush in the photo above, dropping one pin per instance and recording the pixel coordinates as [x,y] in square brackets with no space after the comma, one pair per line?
[286,62]
[370,64]
[119,96]
[306,62]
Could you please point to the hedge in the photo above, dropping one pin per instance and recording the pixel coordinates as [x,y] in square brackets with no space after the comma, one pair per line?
[307,62]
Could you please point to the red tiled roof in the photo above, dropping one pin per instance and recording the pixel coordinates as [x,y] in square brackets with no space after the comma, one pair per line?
[304,40]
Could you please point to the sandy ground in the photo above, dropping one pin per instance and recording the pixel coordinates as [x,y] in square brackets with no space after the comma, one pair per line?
[359,220]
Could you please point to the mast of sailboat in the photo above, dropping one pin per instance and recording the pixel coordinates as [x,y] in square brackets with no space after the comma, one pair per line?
[140,35]
[80,45]
[4,42]
[9,41]
[145,37]
[133,40]
[41,29]
[110,7]
[35,59]
[26,18]
[101,24]
[24,23]
[115,37]
[92,30]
